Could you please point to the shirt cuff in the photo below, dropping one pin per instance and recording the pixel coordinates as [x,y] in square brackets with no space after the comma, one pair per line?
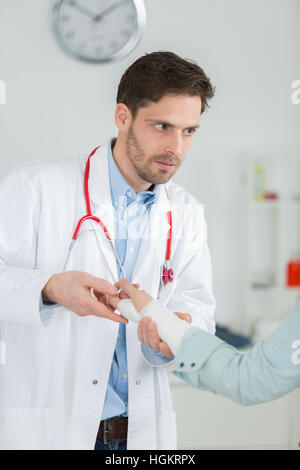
[45,310]
[46,303]
[156,358]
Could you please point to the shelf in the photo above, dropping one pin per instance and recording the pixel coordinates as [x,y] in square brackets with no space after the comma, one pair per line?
[273,290]
[263,289]
[272,233]
[266,205]
[273,205]
[264,292]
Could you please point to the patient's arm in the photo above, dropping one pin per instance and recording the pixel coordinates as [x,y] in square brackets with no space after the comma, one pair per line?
[266,372]
[269,370]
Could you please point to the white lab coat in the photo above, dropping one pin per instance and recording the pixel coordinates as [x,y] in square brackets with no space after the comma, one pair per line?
[53,384]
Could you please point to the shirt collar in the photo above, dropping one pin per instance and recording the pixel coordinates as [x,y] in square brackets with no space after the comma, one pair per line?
[120,188]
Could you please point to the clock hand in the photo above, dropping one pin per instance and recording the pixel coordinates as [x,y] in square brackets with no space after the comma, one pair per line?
[105,12]
[81,9]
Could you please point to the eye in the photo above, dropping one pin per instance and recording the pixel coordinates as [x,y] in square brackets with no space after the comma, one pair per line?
[161,127]
[190,131]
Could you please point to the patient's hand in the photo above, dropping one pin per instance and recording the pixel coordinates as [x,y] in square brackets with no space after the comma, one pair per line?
[113,301]
[139,298]
[148,334]
[147,330]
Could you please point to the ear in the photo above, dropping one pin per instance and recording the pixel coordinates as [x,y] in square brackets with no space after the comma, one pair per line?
[123,117]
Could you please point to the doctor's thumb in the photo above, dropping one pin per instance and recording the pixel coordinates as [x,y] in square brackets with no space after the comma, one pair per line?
[102,286]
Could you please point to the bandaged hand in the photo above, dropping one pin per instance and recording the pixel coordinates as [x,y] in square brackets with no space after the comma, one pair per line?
[157,321]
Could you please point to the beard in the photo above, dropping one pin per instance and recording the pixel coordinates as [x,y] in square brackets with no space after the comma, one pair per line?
[145,166]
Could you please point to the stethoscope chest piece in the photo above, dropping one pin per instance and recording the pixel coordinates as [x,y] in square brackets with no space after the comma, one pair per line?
[167,274]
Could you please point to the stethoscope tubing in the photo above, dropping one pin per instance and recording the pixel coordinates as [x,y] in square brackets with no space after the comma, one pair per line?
[167,272]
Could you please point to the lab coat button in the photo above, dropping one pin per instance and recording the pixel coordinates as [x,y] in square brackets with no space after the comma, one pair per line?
[138,382]
[193,364]
[181,364]
[95,382]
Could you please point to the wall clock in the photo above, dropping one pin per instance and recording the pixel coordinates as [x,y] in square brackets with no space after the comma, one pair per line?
[98,30]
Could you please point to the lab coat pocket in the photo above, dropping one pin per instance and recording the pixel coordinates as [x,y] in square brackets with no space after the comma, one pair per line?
[26,428]
[169,433]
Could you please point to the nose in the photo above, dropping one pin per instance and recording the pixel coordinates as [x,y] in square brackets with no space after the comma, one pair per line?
[174,145]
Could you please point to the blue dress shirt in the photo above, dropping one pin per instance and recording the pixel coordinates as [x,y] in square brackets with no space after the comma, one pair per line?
[131,216]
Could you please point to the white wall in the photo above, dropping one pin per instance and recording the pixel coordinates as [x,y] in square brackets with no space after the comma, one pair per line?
[57,106]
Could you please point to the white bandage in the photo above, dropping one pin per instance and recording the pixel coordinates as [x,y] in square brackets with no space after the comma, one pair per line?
[171,329]
[126,308]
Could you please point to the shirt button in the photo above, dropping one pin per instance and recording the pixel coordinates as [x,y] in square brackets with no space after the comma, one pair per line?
[124,376]
[138,382]
[95,382]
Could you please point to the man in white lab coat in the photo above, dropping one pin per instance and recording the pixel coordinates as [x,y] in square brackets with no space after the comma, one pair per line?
[75,376]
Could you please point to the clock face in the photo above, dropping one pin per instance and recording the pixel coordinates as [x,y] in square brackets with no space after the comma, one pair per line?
[98,30]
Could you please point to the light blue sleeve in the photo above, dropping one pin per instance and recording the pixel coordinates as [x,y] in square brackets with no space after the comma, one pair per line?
[268,371]
[156,358]
[45,311]
[47,304]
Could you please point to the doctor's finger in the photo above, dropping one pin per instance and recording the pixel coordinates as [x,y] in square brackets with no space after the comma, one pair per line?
[100,285]
[100,310]
[99,296]
[109,300]
[113,301]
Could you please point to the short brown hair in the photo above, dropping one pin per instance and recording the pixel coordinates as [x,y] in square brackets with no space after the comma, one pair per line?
[161,73]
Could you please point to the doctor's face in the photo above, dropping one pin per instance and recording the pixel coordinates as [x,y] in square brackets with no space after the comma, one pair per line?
[160,136]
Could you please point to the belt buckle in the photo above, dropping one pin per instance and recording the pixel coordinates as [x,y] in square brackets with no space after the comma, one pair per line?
[105,431]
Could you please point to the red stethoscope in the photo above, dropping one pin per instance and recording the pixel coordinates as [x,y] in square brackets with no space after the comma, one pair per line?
[166,272]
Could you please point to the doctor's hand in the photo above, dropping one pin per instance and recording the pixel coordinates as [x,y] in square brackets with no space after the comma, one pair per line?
[83,294]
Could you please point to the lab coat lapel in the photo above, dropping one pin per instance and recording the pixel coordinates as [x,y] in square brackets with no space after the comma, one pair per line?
[101,204]
[153,246]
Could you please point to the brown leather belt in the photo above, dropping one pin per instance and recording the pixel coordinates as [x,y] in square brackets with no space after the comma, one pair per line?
[113,429]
